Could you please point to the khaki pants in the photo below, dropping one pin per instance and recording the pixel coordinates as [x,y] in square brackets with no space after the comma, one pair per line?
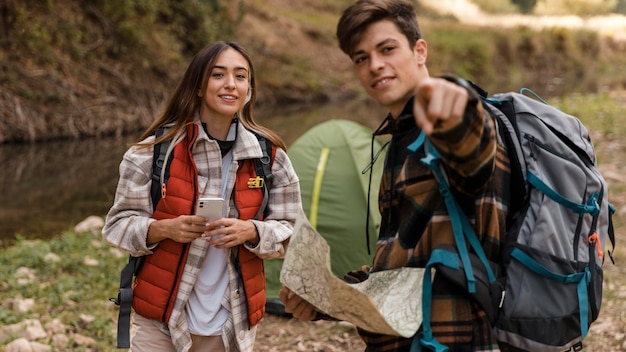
[145,337]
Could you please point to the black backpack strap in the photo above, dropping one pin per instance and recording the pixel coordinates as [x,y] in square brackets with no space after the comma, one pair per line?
[125,301]
[131,269]
[263,168]
[611,232]
[158,161]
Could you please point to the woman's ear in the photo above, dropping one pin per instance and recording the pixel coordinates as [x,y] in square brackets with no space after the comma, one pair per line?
[248,96]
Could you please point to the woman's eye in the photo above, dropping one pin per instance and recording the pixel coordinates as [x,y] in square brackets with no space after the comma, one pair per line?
[217,75]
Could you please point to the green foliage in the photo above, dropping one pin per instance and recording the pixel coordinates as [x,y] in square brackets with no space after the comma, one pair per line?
[497,6]
[470,59]
[602,113]
[136,23]
[122,30]
[525,6]
[575,7]
[553,61]
[19,26]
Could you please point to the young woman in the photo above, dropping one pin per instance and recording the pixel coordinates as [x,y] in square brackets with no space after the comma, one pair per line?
[201,286]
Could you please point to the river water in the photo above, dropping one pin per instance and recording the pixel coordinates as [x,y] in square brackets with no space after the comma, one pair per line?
[47,188]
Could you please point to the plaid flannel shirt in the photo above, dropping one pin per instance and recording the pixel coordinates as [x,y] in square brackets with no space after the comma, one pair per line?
[128,220]
[415,219]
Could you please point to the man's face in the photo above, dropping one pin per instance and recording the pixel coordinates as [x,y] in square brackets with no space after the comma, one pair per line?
[387,67]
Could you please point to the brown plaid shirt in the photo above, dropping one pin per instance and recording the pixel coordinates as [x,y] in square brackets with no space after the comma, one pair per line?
[415,219]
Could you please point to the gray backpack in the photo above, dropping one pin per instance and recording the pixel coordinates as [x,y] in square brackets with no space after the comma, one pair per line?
[548,289]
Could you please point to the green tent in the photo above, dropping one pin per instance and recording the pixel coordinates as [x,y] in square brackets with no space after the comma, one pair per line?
[329,159]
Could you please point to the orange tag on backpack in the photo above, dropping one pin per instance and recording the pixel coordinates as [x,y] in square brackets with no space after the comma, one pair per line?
[594,238]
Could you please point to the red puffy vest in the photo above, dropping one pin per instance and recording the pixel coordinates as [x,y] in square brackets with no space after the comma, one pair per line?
[157,283]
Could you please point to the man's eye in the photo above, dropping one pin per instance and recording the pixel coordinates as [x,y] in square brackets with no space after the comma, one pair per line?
[358,60]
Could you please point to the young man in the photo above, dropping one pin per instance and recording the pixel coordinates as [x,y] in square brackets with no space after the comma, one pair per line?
[384,42]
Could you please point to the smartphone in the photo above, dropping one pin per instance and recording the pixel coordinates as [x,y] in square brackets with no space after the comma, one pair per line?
[210,208]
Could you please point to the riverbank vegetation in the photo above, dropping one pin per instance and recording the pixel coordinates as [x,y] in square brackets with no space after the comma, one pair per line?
[75,69]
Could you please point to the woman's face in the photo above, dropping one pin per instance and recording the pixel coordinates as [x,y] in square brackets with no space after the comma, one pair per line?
[227,86]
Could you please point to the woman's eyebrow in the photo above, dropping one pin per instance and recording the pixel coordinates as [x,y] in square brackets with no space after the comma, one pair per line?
[239,68]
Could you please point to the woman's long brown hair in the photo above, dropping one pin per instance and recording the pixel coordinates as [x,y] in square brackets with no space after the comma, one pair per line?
[185,101]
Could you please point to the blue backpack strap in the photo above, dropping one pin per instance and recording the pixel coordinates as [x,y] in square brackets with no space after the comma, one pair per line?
[425,337]
[432,161]
[463,231]
[591,207]
[460,224]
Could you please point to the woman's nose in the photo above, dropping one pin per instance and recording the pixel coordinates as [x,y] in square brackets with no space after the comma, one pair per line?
[230,82]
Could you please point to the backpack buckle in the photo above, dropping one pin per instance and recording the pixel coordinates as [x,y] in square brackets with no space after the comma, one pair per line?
[256,182]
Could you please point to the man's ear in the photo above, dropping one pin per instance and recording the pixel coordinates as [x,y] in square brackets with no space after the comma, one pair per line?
[421,50]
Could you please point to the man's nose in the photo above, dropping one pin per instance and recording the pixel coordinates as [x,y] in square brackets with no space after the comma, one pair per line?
[376,63]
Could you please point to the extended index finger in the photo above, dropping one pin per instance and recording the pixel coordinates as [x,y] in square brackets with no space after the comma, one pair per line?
[421,106]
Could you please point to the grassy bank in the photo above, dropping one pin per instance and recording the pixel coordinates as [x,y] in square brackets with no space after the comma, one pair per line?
[71,276]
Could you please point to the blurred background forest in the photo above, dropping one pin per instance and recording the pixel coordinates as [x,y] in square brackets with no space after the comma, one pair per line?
[75,69]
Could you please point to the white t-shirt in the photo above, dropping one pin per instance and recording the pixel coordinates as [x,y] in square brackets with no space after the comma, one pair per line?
[205,313]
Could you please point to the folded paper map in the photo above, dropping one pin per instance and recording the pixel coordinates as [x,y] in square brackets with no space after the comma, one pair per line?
[388,302]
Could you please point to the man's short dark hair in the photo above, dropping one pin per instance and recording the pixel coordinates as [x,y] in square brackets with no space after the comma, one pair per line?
[358,16]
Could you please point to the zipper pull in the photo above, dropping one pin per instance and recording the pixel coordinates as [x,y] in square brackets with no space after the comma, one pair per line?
[533,147]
